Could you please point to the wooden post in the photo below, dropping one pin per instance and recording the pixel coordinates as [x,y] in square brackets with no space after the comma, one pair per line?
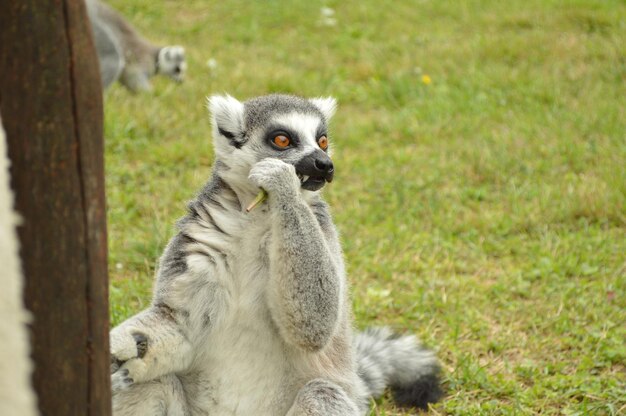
[51,106]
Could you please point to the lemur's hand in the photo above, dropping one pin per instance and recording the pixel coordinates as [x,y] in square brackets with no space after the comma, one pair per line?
[275,176]
[127,351]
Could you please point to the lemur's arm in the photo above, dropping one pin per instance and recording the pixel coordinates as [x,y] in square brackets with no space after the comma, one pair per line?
[137,342]
[304,289]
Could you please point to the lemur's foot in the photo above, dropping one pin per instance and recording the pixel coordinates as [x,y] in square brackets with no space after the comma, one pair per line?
[121,380]
[127,366]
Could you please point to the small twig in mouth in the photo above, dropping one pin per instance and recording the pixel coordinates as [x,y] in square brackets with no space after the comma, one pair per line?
[261,196]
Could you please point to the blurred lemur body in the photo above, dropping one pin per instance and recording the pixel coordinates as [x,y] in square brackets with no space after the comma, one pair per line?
[251,312]
[125,55]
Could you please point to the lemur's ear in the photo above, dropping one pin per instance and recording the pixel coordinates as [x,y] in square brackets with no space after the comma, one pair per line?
[227,118]
[327,105]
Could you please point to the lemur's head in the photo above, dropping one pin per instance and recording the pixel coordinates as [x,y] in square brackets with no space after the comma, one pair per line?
[171,62]
[285,127]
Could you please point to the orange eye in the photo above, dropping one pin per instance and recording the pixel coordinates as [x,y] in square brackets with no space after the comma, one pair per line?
[282,141]
[323,142]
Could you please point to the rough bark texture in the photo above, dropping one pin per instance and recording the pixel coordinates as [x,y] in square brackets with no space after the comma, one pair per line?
[51,103]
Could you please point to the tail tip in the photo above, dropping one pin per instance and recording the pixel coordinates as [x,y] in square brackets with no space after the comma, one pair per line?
[418,394]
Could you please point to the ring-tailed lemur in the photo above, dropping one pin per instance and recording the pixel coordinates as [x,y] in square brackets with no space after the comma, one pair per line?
[251,313]
[125,55]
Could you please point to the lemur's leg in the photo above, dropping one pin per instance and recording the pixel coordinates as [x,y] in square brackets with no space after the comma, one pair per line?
[147,346]
[134,79]
[305,287]
[323,398]
[161,397]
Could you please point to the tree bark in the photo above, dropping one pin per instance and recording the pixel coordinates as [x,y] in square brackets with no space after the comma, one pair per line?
[51,104]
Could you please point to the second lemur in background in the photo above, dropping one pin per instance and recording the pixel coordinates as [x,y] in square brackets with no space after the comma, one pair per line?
[127,56]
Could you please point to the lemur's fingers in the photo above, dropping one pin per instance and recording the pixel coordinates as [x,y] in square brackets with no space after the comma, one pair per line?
[130,372]
[115,364]
[121,380]
[125,346]
[128,347]
[273,175]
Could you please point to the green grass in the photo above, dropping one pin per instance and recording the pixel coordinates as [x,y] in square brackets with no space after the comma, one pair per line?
[484,211]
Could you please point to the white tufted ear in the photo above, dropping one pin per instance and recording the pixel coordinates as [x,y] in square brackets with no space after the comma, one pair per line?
[227,117]
[327,105]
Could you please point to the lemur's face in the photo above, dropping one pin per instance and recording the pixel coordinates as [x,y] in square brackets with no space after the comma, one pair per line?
[292,129]
[171,62]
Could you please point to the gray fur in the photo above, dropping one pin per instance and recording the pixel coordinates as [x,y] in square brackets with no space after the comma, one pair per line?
[386,359]
[174,261]
[322,397]
[110,53]
[251,313]
[163,396]
[125,55]
[303,292]
[260,110]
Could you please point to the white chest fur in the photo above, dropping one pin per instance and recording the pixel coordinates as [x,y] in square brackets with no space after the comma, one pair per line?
[243,357]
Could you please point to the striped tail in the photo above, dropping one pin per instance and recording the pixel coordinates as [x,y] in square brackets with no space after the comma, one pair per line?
[386,359]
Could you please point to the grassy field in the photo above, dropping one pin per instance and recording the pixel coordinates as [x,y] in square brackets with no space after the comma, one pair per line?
[481,175]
